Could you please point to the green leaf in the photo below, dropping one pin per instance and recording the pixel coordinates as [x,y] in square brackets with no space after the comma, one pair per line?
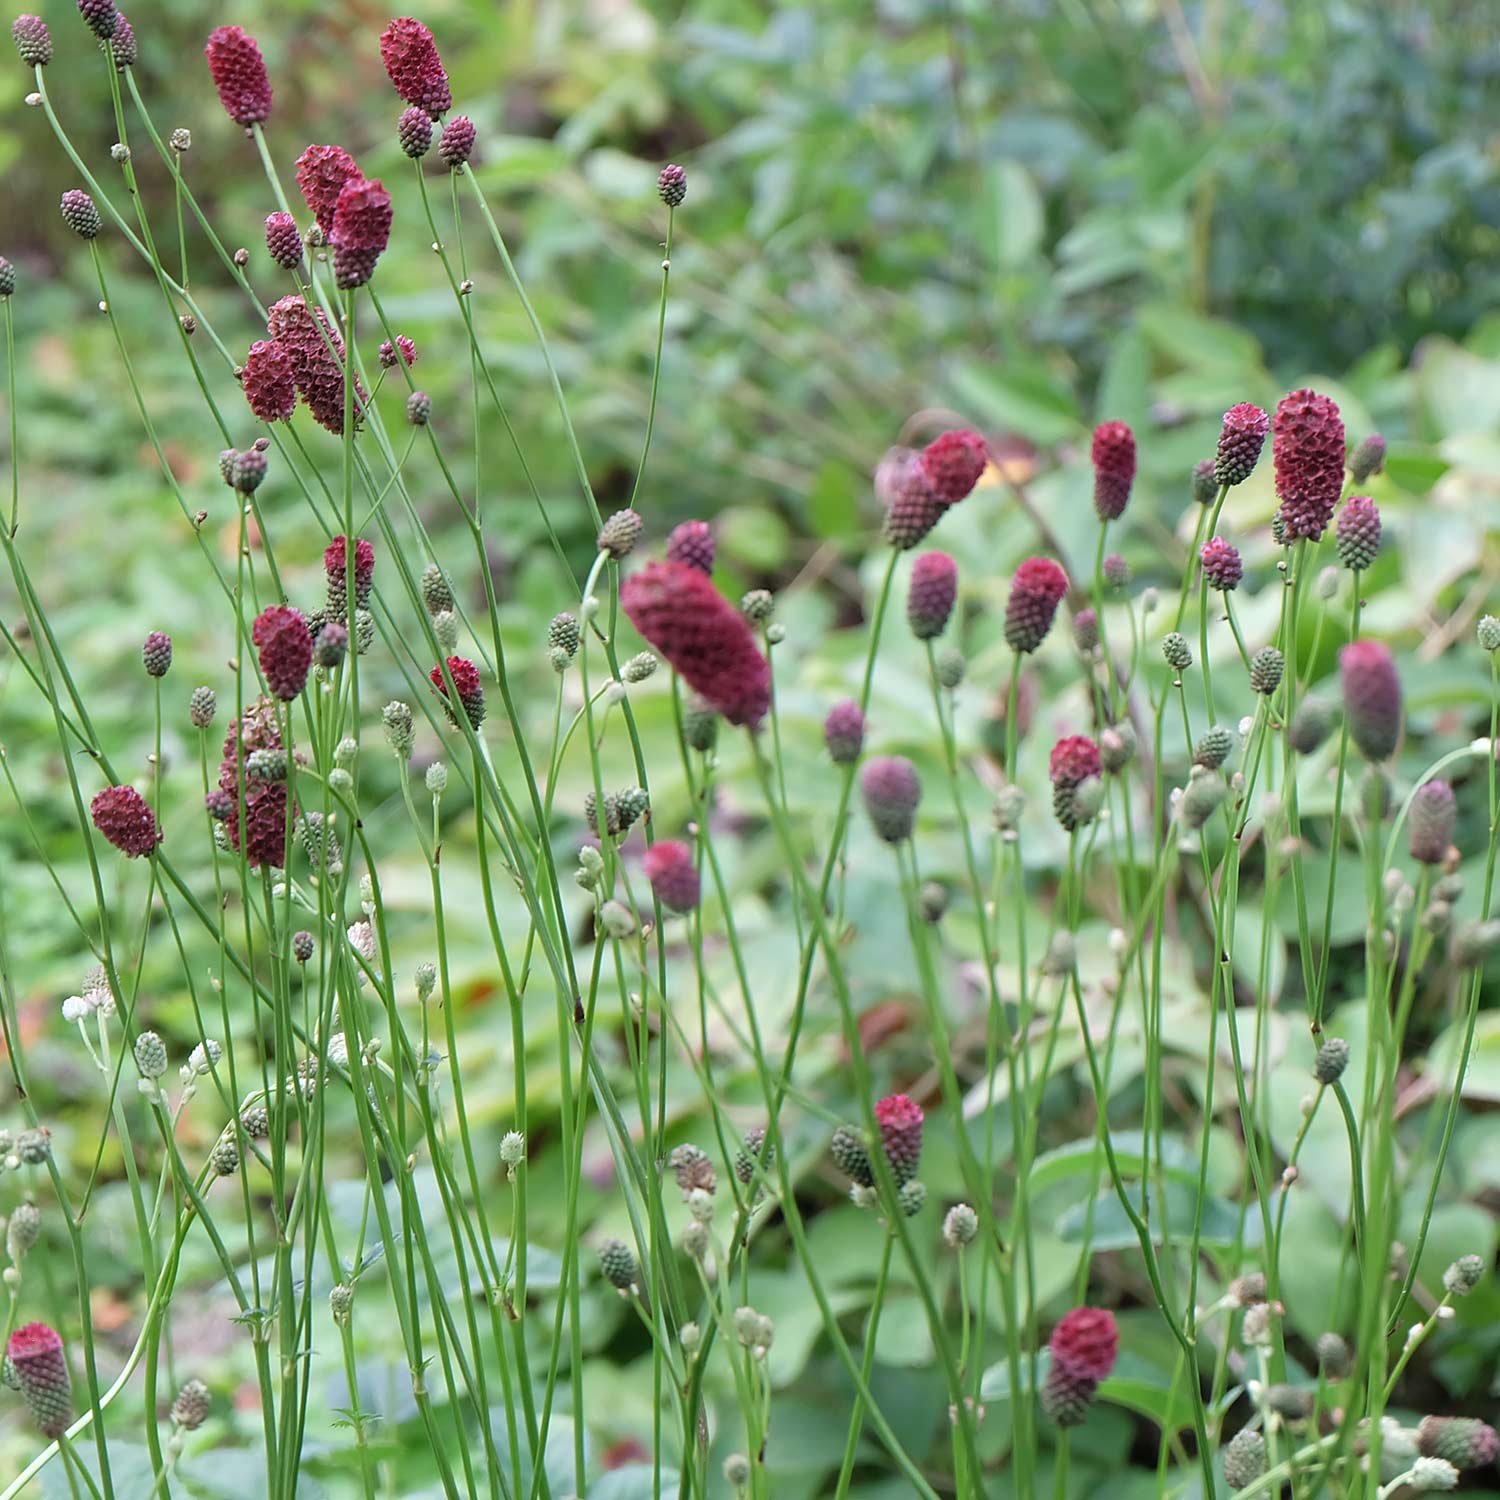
[632,1482]
[1079,1157]
[1111,1229]
[1024,399]
[995,1383]
[1013,215]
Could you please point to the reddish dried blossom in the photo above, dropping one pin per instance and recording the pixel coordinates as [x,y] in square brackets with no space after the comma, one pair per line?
[900,1123]
[269,380]
[125,818]
[692,543]
[403,349]
[669,867]
[285,645]
[410,55]
[316,350]
[706,640]
[1086,1343]
[265,802]
[931,595]
[953,463]
[1036,589]
[361,230]
[239,74]
[1113,454]
[1372,697]
[1307,444]
[1241,438]
[35,1353]
[322,172]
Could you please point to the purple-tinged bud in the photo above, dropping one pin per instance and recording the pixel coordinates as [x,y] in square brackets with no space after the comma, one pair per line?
[1222,567]
[283,241]
[1368,458]
[1241,438]
[1431,821]
[844,732]
[414,131]
[33,40]
[1372,697]
[671,183]
[930,598]
[1357,534]
[891,791]
[1113,454]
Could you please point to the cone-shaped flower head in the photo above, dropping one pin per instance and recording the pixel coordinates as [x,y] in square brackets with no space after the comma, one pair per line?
[900,1123]
[1431,821]
[671,183]
[100,17]
[1244,1458]
[125,818]
[1307,443]
[457,144]
[1464,1442]
[617,1262]
[470,691]
[891,791]
[285,645]
[1075,764]
[849,1154]
[1372,697]
[306,336]
[410,55]
[191,1406]
[322,172]
[844,732]
[1066,1398]
[269,380]
[33,40]
[403,351]
[336,572]
[692,542]
[121,47]
[1086,630]
[674,878]
[1332,1059]
[912,505]
[239,74]
[1241,438]
[283,240]
[80,214]
[264,840]
[953,462]
[1221,564]
[1311,724]
[620,533]
[930,598]
[1357,533]
[156,653]
[1205,486]
[707,641]
[1086,1342]
[1267,667]
[1113,453]
[414,131]
[1036,590]
[35,1354]
[361,230]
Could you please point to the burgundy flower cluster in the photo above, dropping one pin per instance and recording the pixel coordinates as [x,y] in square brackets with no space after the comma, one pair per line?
[239,74]
[679,612]
[1084,1346]
[409,52]
[315,350]
[263,838]
[1307,446]
[918,488]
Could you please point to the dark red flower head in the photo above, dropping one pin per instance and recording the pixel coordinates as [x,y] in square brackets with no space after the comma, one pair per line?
[1241,438]
[930,598]
[671,183]
[1221,564]
[692,543]
[900,1123]
[283,240]
[410,55]
[361,230]
[465,677]
[1114,469]
[239,74]
[1085,1343]
[1035,592]
[35,1353]
[1307,444]
[316,350]
[1074,759]
[322,172]
[403,349]
[912,505]
[706,640]
[457,144]
[1357,534]
[269,380]
[285,645]
[1372,697]
[336,571]
[125,818]
[669,867]
[264,835]
[1431,822]
[953,463]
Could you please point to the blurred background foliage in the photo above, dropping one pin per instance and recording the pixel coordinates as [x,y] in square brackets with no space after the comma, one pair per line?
[1029,217]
